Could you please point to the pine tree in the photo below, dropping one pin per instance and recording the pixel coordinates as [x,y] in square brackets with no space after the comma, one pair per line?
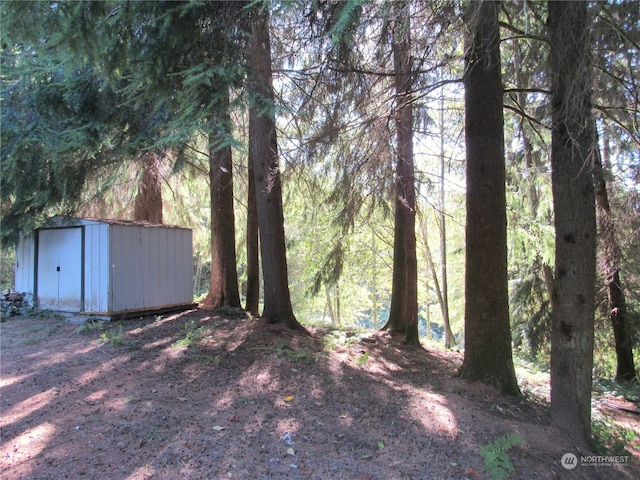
[487,355]
[572,147]
[263,149]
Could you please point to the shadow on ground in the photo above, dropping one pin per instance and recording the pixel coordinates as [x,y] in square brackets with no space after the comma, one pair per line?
[201,395]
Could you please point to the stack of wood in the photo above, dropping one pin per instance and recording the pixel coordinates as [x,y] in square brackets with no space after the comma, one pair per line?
[12,303]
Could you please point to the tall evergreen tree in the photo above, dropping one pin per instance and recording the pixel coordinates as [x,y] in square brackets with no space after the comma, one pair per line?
[616,30]
[253,246]
[403,315]
[572,150]
[223,289]
[611,259]
[487,355]
[263,149]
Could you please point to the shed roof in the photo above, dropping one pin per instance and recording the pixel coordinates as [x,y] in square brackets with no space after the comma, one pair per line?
[65,221]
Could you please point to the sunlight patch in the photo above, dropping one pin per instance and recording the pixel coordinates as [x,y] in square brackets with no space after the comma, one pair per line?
[286,426]
[27,407]
[439,418]
[28,444]
[7,381]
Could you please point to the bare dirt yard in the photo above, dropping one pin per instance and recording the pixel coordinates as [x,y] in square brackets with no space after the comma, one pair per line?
[206,395]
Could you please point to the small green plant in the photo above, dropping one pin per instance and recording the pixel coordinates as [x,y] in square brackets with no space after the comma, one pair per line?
[363,359]
[114,339]
[192,335]
[234,312]
[339,338]
[609,439]
[302,356]
[497,462]
[93,325]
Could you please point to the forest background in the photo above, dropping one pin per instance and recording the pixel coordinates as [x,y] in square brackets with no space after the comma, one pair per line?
[107,108]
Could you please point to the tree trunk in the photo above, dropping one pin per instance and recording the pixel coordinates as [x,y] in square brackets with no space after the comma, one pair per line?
[403,315]
[338,311]
[223,289]
[449,340]
[148,202]
[487,355]
[396,322]
[253,260]
[264,150]
[572,148]
[332,315]
[625,367]
[374,280]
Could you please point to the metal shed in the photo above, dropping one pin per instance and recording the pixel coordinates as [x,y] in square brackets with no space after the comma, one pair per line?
[106,267]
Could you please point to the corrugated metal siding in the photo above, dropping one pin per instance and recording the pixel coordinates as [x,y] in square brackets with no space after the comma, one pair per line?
[96,272]
[185,271]
[151,267]
[25,268]
[126,266]
[124,286]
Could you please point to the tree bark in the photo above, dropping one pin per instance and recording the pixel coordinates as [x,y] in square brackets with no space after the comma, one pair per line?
[403,315]
[253,260]
[148,202]
[487,355]
[572,149]
[223,289]
[266,173]
[610,261]
[449,340]
[396,322]
[329,304]
[374,279]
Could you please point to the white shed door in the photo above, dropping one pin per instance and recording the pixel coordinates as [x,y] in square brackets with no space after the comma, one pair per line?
[60,269]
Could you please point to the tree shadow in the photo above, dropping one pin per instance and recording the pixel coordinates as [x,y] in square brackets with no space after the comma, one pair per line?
[245,399]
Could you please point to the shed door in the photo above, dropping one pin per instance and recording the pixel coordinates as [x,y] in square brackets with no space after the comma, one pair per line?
[60,269]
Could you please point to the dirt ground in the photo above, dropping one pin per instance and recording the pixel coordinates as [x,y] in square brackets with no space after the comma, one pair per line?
[202,395]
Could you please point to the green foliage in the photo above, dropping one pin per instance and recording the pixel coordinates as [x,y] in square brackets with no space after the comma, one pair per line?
[630,390]
[342,20]
[362,359]
[497,462]
[530,304]
[193,333]
[339,338]
[83,93]
[7,269]
[115,339]
[52,136]
[299,356]
[93,325]
[610,439]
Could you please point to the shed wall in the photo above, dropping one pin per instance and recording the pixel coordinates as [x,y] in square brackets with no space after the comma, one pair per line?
[25,267]
[96,271]
[150,267]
